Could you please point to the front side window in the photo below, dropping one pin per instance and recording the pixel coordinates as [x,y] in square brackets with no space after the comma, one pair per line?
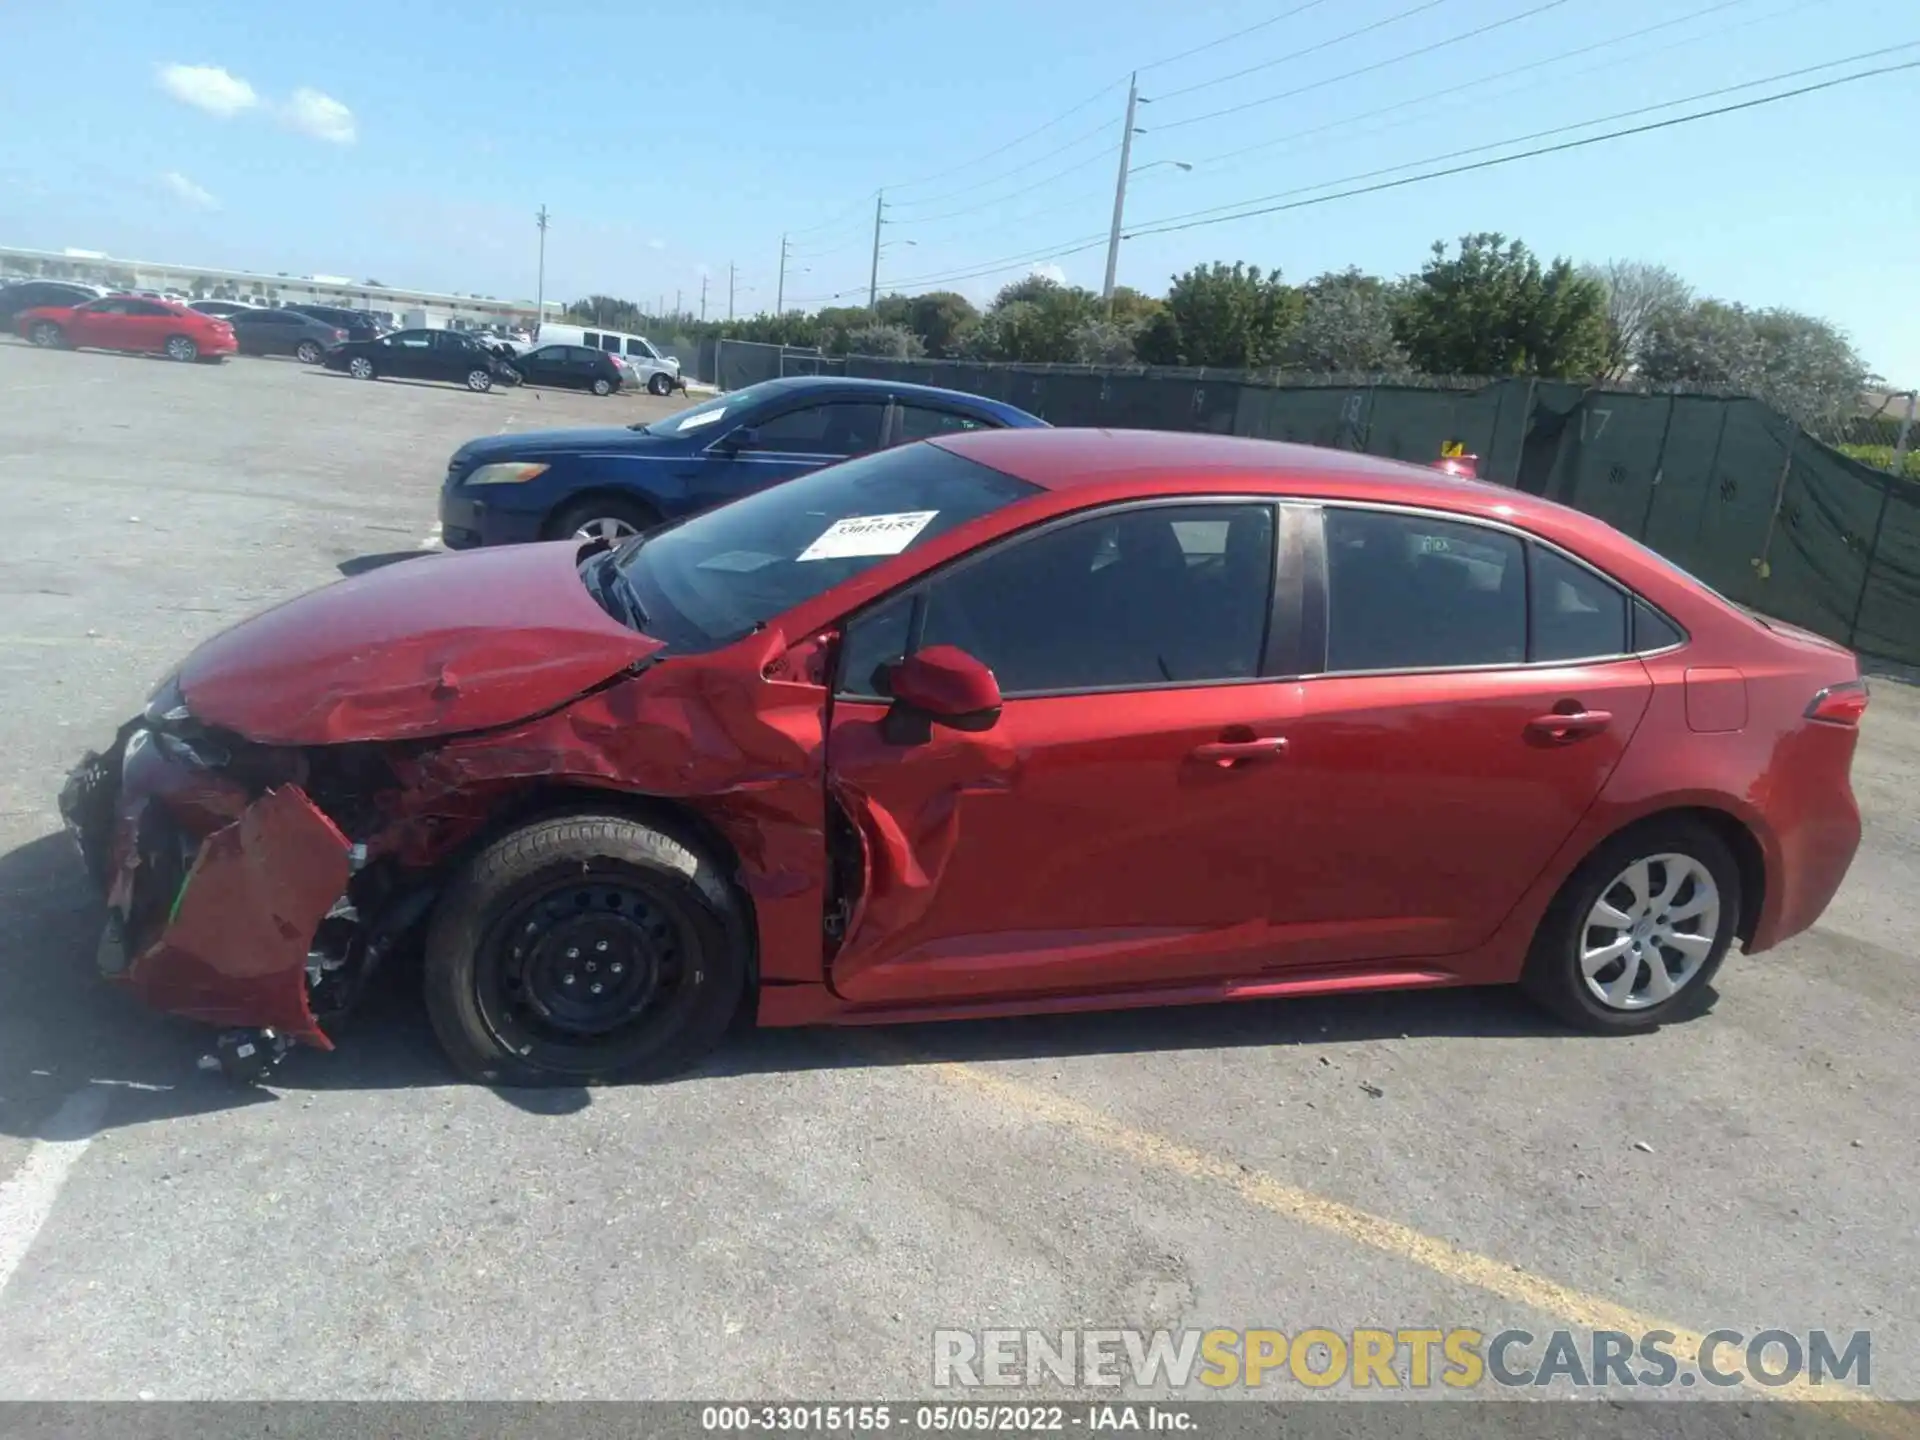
[710,580]
[1576,614]
[840,427]
[1122,600]
[1407,592]
[923,422]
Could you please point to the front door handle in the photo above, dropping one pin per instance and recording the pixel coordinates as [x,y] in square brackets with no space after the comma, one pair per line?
[1227,753]
[1563,729]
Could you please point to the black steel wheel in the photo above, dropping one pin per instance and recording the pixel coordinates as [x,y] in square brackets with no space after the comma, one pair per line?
[585,948]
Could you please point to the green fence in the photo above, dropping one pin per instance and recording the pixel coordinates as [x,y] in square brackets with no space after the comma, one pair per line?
[1725,487]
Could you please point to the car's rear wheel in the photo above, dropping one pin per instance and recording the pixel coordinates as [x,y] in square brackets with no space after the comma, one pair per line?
[47,335]
[183,348]
[479,381]
[583,948]
[1636,934]
[307,352]
[659,383]
[602,386]
[602,518]
[360,368]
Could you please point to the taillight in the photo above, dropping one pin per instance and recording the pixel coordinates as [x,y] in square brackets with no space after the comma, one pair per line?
[1841,704]
[338,336]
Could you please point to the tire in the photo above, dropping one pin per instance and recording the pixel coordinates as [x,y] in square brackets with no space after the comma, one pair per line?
[603,518]
[600,890]
[660,383]
[182,348]
[603,386]
[479,381]
[361,368]
[47,335]
[307,352]
[1555,975]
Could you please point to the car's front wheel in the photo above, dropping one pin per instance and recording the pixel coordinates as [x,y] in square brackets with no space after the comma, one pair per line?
[584,948]
[479,381]
[602,518]
[1636,934]
[183,348]
[307,352]
[360,368]
[660,383]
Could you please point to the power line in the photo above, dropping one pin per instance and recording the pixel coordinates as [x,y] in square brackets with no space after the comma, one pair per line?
[1428,49]
[1011,194]
[1555,130]
[1059,250]
[1513,70]
[1163,227]
[1381,24]
[1237,34]
[1017,140]
[1101,129]
[838,219]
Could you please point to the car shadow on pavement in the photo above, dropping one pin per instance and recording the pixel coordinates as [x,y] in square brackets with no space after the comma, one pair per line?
[63,1028]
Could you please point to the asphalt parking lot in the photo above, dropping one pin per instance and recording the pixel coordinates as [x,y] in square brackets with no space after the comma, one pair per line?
[799,1217]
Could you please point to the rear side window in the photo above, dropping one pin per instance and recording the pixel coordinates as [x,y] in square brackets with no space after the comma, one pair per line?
[1408,592]
[610,343]
[1576,614]
[590,337]
[1652,630]
[923,422]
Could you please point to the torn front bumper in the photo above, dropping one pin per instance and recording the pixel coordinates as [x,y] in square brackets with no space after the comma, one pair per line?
[213,894]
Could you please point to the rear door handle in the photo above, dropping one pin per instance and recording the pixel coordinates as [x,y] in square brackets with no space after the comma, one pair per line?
[1226,753]
[1562,729]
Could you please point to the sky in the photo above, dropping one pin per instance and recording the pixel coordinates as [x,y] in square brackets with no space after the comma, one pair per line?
[674,145]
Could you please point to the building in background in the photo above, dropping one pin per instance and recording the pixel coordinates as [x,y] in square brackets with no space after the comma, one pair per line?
[393,304]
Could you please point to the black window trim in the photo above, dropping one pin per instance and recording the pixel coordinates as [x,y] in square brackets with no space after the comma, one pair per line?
[1281,645]
[1527,538]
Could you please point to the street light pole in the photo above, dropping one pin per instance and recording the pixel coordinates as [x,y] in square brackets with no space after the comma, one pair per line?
[780,288]
[1120,189]
[540,282]
[873,275]
[729,292]
[703,299]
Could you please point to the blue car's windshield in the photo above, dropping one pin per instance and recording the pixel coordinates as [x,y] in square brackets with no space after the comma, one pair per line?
[709,414]
[712,579]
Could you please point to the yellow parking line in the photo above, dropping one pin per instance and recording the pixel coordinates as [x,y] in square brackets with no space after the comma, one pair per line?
[1496,1277]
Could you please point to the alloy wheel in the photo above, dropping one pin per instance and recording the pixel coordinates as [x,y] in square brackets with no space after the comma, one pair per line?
[479,381]
[607,527]
[360,368]
[1649,932]
[308,352]
[181,348]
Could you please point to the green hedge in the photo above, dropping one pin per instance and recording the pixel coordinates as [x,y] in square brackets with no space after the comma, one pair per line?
[1881,458]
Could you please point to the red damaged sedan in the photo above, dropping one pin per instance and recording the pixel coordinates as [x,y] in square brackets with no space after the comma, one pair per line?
[1006,722]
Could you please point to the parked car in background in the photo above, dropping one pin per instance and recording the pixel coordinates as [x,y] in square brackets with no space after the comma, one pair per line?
[127,322]
[359,324]
[224,309]
[611,483]
[284,332]
[423,355]
[1021,721]
[659,373]
[34,294]
[572,367]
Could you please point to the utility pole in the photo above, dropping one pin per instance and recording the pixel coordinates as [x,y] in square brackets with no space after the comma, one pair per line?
[540,283]
[1120,190]
[677,311]
[729,292]
[703,299]
[780,288]
[873,276]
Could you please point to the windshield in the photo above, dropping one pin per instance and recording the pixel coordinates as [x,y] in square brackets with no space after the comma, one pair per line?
[710,413]
[712,579]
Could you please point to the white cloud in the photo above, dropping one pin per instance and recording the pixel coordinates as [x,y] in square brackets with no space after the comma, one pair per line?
[208,88]
[321,116]
[1050,272]
[187,192]
[656,244]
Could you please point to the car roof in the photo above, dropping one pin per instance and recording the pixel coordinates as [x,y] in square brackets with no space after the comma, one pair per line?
[862,385]
[1182,462]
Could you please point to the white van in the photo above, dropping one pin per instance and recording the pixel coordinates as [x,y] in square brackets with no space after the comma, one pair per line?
[659,373]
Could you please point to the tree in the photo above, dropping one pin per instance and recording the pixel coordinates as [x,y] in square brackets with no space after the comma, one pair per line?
[1495,310]
[940,318]
[1218,314]
[1346,327]
[1796,363]
[1103,342]
[1036,320]
[891,342]
[1638,295]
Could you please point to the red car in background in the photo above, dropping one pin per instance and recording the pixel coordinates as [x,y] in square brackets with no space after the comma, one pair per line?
[129,322]
[1009,721]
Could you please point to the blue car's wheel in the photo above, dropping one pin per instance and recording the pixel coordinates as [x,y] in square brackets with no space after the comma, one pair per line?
[602,517]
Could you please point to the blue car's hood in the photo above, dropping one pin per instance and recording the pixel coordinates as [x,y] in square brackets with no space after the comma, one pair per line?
[524,443]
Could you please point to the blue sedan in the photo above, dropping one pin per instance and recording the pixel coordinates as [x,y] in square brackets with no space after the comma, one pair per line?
[614,482]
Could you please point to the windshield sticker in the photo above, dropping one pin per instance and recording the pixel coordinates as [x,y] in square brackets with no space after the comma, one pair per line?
[694,422]
[868,535]
[737,562]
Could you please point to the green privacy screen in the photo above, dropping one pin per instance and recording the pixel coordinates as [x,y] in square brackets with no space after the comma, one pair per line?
[1729,490]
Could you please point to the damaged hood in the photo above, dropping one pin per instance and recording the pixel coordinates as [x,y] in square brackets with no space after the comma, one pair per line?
[426,646]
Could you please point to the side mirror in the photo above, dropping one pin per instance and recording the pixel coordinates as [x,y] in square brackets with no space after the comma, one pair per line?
[941,683]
